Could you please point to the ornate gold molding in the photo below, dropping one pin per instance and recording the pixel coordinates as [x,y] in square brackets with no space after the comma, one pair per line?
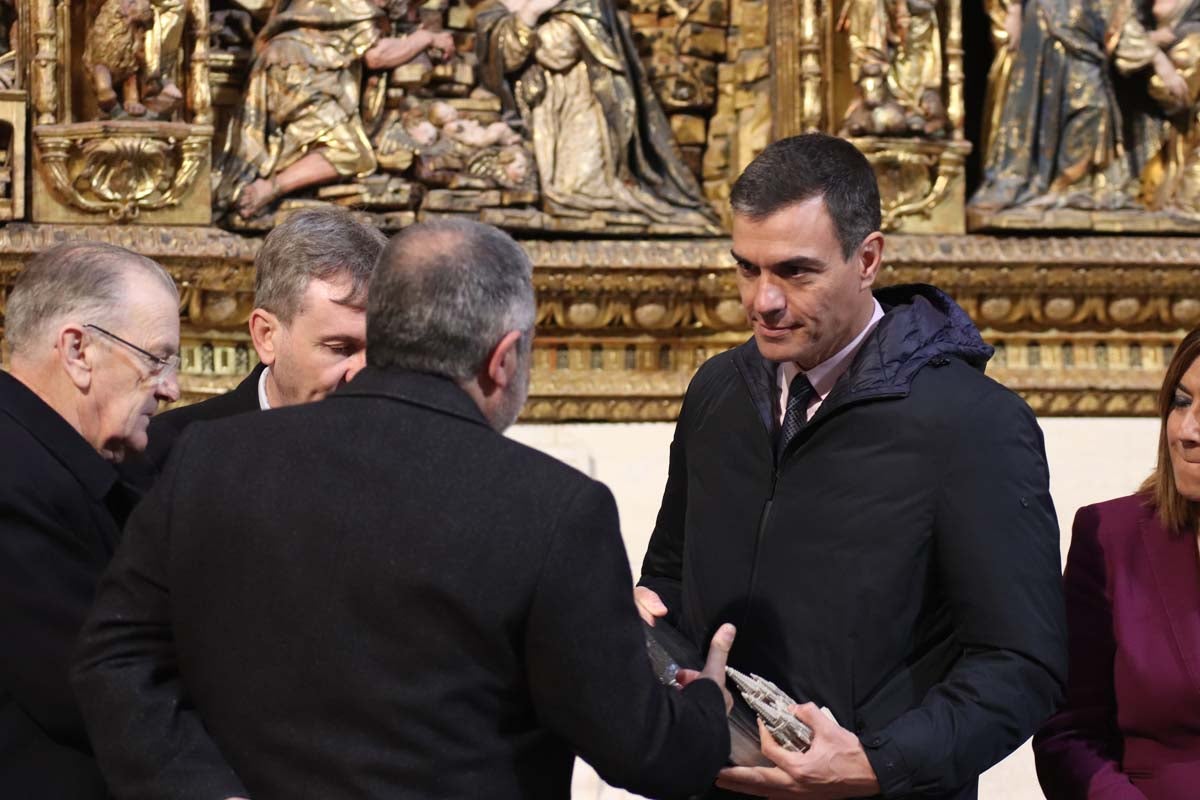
[1082,326]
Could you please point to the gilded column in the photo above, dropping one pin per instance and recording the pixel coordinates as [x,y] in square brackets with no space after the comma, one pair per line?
[811,100]
[785,22]
[199,91]
[954,68]
[44,82]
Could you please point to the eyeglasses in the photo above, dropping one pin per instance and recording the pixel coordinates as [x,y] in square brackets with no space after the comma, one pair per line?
[158,364]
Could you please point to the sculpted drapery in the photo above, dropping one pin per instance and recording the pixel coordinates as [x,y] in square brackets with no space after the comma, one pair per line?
[1167,140]
[303,94]
[1060,141]
[600,139]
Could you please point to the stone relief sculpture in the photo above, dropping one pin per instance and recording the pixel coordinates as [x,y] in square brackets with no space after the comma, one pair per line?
[115,54]
[568,70]
[301,124]
[8,51]
[1167,129]
[130,145]
[1005,18]
[896,65]
[1095,125]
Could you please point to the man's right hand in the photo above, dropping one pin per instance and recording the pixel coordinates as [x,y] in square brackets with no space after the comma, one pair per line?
[714,665]
[649,605]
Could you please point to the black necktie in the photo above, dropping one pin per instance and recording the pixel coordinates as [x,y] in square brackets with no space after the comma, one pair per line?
[795,417]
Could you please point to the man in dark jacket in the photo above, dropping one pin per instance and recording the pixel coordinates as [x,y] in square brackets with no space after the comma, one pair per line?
[403,603]
[308,325]
[93,333]
[869,508]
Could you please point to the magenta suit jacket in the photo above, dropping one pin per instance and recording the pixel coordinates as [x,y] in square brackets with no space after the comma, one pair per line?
[1130,728]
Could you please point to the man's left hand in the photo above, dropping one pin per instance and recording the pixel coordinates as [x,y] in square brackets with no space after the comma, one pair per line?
[834,767]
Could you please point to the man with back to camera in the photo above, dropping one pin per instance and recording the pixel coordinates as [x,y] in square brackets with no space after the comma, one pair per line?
[870,509]
[316,634]
[308,325]
[93,338]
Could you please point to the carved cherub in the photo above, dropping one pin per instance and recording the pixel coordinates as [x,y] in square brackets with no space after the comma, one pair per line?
[509,167]
[114,54]
[468,131]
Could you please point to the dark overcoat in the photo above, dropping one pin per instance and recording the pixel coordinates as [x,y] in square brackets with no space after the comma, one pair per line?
[378,595]
[61,511]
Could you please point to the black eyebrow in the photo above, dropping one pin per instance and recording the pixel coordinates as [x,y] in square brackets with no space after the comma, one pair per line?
[797,264]
[794,264]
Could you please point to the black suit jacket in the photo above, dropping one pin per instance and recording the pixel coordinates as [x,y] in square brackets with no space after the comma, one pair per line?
[61,509]
[166,428]
[379,596]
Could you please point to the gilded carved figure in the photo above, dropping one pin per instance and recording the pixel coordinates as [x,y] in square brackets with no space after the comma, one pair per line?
[1167,128]
[1005,18]
[568,72]
[1063,138]
[131,56]
[115,54]
[164,45]
[8,51]
[301,124]
[896,66]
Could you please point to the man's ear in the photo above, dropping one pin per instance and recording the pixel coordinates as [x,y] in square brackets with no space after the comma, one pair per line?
[265,329]
[502,363]
[870,259]
[76,355]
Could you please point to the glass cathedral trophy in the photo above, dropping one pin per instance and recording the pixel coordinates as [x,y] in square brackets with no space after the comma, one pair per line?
[756,698]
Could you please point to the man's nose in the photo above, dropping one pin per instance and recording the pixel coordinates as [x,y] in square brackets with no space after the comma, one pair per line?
[167,386]
[768,296]
[357,362]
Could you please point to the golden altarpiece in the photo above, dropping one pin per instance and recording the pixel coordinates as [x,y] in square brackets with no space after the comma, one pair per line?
[605,135]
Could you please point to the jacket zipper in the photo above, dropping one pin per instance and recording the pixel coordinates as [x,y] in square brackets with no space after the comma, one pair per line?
[763,518]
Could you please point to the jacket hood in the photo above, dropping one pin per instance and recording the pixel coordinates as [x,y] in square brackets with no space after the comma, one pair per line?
[921,323]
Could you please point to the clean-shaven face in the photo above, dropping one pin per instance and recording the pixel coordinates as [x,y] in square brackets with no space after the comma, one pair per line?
[126,391]
[323,347]
[803,299]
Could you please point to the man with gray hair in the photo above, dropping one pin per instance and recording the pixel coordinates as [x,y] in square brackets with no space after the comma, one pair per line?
[436,611]
[93,337]
[308,324]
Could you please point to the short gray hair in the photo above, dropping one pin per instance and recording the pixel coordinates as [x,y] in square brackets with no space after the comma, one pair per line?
[326,244]
[84,279]
[444,295]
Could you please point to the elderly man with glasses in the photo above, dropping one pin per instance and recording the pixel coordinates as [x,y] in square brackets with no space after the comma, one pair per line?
[93,340]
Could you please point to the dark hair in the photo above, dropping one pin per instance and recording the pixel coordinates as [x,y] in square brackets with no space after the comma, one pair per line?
[443,296]
[80,278]
[799,168]
[1177,512]
[317,243]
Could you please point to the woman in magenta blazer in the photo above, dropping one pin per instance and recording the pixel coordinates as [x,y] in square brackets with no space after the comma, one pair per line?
[1130,728]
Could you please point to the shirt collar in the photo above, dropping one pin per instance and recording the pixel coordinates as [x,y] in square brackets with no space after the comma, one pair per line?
[263,403]
[824,375]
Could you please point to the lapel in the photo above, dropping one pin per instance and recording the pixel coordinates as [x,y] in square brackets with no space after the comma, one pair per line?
[1176,568]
